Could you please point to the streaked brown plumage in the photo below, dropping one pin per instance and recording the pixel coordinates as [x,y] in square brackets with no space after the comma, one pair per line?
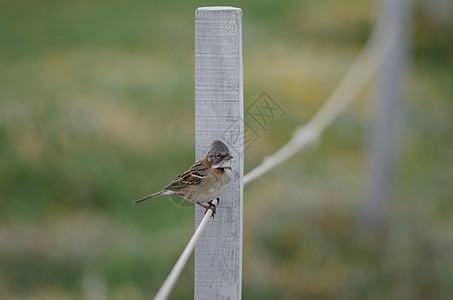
[205,181]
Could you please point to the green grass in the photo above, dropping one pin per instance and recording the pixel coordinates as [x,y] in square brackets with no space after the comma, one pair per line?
[97,110]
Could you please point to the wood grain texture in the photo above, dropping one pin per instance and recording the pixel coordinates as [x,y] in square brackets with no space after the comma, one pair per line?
[219,115]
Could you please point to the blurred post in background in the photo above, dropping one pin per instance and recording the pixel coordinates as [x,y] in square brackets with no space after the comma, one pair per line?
[219,116]
[393,23]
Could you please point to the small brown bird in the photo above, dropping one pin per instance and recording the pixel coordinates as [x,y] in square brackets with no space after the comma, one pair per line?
[205,181]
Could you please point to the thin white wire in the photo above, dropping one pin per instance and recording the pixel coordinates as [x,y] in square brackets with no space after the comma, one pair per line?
[359,74]
[361,71]
[170,282]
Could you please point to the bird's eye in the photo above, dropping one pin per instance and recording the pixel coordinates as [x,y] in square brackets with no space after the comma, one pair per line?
[218,155]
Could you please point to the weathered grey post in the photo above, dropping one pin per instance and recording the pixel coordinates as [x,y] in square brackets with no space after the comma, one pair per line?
[219,115]
[394,24]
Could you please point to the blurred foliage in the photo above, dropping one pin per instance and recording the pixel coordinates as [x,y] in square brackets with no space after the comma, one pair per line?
[96,110]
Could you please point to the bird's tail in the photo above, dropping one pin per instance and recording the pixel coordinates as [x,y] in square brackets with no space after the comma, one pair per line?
[149,196]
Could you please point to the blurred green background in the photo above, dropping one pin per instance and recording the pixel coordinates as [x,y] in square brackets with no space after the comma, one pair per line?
[97,110]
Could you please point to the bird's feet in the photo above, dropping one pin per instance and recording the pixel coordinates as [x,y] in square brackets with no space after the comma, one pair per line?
[210,206]
[213,207]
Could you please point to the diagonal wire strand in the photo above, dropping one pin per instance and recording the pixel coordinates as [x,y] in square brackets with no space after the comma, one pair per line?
[170,282]
[365,66]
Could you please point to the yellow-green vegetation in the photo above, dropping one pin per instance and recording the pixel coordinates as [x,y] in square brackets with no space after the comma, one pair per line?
[97,110]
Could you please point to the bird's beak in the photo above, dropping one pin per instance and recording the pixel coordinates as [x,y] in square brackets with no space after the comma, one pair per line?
[228,157]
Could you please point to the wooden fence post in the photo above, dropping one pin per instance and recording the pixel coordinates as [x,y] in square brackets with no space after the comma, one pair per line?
[394,24]
[219,115]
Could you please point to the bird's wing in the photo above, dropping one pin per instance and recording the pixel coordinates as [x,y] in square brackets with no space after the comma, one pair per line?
[193,176]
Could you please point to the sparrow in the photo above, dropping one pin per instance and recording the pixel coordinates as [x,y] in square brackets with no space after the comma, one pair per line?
[205,181]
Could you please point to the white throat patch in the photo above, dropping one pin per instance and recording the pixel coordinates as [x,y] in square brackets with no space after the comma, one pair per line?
[223,164]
